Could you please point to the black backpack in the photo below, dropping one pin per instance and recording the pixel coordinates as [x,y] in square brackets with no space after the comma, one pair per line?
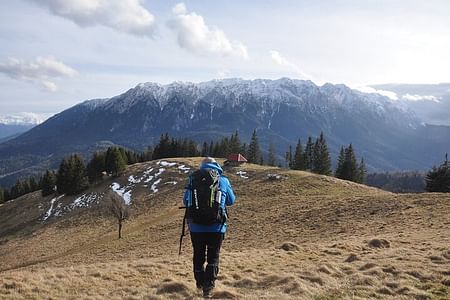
[204,205]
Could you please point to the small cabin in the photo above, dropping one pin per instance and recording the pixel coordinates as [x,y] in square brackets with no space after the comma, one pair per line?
[235,159]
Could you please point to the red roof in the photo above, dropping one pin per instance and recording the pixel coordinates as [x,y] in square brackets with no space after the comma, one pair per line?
[237,157]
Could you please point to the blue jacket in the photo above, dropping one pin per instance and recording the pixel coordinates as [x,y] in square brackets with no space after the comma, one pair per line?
[228,198]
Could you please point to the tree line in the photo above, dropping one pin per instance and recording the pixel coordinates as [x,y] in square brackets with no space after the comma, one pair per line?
[73,176]
[398,182]
[314,156]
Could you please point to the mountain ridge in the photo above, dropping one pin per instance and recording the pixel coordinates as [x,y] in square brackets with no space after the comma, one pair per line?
[281,110]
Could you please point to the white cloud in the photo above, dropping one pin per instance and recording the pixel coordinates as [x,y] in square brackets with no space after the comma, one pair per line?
[24,118]
[127,16]
[282,61]
[195,36]
[41,71]
[371,90]
[420,98]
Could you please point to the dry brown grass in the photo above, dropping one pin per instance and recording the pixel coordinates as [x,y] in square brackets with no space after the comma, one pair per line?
[288,239]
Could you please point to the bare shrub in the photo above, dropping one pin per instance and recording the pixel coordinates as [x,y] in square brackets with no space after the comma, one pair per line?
[119,209]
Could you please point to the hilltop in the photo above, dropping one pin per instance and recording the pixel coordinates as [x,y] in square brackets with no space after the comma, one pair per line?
[303,236]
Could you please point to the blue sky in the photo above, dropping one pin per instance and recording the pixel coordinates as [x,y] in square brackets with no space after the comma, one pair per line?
[56,53]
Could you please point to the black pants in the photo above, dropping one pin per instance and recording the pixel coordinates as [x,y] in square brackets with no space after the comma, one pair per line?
[206,246]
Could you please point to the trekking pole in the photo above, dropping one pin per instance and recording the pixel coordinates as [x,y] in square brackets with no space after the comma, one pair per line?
[182,229]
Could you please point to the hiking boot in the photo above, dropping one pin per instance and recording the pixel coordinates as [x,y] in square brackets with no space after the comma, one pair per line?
[199,279]
[207,292]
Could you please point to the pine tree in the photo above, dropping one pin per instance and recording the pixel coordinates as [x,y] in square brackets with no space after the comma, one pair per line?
[2,195]
[48,183]
[288,158]
[351,166]
[80,179]
[362,171]
[235,143]
[34,186]
[340,164]
[348,168]
[72,178]
[147,154]
[438,178]
[211,149]
[18,189]
[254,152]
[244,149]
[96,166]
[132,157]
[162,148]
[224,148]
[114,161]
[205,150]
[308,154]
[192,149]
[321,157]
[299,157]
[271,159]
[124,155]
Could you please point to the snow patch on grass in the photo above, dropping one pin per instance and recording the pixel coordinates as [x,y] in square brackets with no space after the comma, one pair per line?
[131,179]
[160,171]
[242,174]
[84,201]
[184,168]
[171,182]
[49,213]
[121,192]
[166,163]
[150,178]
[154,185]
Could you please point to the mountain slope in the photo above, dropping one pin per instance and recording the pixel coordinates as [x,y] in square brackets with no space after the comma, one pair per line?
[302,237]
[282,110]
[8,132]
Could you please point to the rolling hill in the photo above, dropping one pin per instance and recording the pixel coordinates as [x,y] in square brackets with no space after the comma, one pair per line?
[303,236]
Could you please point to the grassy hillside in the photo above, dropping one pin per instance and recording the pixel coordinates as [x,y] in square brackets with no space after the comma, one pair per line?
[301,237]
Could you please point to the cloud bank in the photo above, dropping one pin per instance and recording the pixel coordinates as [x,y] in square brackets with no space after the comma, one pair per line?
[282,61]
[371,90]
[127,16]
[40,71]
[420,98]
[24,118]
[197,37]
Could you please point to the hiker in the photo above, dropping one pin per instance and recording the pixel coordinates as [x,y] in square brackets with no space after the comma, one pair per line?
[206,197]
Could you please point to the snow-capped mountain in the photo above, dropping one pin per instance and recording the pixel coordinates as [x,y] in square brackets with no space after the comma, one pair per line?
[284,110]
